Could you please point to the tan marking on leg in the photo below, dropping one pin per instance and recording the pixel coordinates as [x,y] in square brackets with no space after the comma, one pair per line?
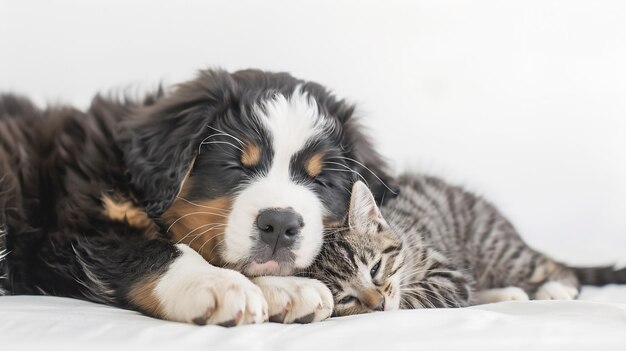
[144,297]
[125,211]
[199,224]
[315,164]
[251,155]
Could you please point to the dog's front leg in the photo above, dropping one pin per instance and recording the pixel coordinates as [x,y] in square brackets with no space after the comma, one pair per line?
[166,281]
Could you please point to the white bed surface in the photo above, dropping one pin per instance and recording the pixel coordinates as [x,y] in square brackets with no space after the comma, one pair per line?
[597,321]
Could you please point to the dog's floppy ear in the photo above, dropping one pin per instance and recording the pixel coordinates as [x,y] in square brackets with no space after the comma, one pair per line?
[361,155]
[160,143]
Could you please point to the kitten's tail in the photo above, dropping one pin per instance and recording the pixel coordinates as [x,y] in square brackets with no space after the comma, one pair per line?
[599,276]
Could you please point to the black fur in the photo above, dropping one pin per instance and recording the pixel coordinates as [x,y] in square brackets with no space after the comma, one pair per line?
[56,164]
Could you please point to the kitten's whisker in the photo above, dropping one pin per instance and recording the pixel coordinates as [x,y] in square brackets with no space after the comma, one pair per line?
[431,296]
[410,274]
[419,298]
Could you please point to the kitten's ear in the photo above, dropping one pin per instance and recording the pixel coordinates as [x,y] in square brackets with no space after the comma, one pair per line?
[363,211]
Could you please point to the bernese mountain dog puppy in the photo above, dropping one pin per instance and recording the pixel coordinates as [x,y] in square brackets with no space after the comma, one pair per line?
[161,205]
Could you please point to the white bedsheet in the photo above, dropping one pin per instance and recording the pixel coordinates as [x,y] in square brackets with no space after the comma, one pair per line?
[596,322]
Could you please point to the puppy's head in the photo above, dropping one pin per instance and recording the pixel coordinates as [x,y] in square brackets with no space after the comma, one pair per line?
[249,168]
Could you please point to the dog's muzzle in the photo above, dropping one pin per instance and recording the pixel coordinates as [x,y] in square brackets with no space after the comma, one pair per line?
[278,235]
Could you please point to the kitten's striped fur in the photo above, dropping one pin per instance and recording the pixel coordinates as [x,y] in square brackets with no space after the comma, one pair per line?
[436,245]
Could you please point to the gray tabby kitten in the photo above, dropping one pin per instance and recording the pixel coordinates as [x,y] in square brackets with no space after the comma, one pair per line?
[436,245]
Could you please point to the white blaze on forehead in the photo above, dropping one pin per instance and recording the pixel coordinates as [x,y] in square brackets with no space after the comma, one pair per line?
[291,123]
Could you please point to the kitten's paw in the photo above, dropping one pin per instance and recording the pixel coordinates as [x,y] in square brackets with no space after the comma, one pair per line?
[553,290]
[511,293]
[296,300]
[193,291]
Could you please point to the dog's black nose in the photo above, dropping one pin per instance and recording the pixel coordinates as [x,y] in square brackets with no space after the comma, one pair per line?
[279,227]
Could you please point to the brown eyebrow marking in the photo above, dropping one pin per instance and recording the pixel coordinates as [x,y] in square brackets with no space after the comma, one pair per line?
[314,165]
[251,155]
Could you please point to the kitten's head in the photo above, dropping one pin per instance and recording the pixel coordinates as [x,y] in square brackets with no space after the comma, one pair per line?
[360,262]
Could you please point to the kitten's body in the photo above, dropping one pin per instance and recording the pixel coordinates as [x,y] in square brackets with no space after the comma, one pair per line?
[469,237]
[436,245]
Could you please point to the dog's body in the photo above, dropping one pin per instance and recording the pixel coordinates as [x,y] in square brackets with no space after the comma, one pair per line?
[245,168]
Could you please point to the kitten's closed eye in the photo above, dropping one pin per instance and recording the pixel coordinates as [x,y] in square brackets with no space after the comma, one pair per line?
[346,299]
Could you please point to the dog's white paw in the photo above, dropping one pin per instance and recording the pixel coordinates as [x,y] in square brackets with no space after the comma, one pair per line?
[194,291]
[296,300]
[511,293]
[553,290]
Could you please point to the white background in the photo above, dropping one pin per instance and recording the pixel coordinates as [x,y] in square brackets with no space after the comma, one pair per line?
[524,102]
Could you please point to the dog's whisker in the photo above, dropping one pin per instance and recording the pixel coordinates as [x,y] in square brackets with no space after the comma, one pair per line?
[216,246]
[227,134]
[194,213]
[196,236]
[204,141]
[219,242]
[223,143]
[190,232]
[203,206]
[367,168]
[349,170]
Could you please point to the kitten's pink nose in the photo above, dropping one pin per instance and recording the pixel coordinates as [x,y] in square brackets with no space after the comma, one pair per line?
[373,299]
